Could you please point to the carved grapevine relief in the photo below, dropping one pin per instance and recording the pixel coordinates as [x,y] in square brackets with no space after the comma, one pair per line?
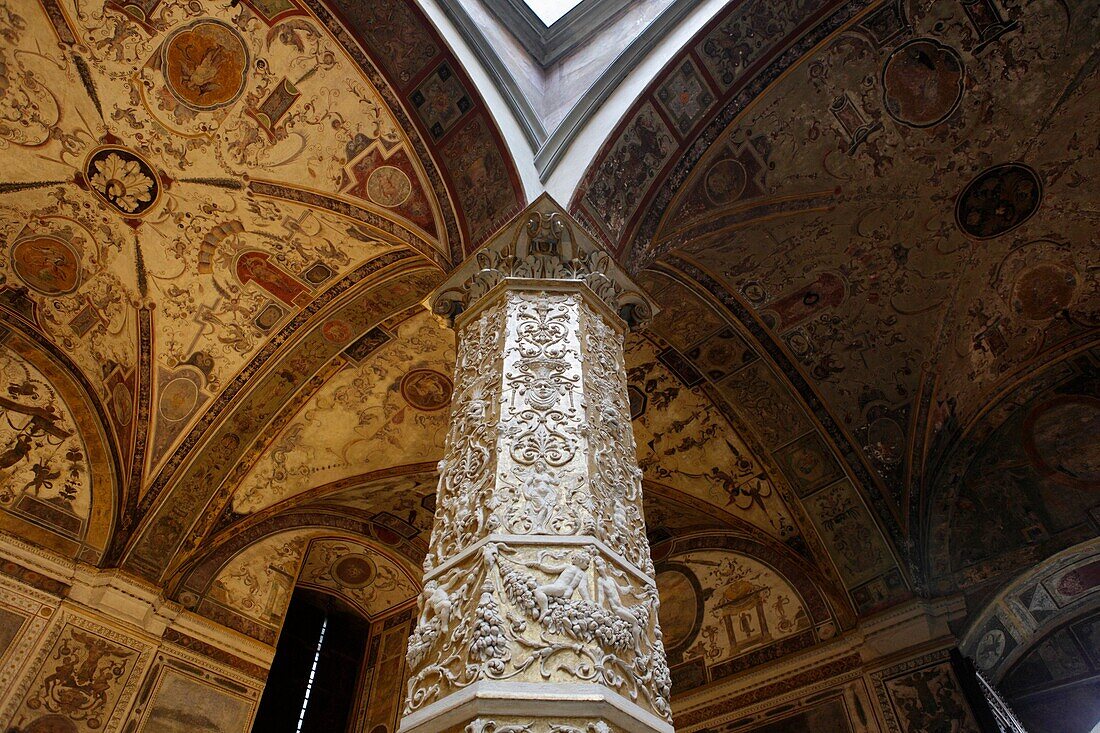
[539,569]
[537,613]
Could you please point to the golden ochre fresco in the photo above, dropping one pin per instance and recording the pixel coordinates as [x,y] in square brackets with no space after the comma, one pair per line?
[869,226]
[44,471]
[56,473]
[371,581]
[135,169]
[390,410]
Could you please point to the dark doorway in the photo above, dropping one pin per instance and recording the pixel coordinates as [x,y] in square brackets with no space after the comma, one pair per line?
[315,673]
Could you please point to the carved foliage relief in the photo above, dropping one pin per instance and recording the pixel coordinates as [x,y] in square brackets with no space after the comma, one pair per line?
[466,473]
[538,614]
[540,456]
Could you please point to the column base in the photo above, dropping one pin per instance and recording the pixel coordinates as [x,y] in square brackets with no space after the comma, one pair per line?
[533,707]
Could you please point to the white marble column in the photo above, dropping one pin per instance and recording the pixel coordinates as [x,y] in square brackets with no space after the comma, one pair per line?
[539,610]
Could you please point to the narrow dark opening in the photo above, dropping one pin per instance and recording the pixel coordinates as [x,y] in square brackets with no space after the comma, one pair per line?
[315,672]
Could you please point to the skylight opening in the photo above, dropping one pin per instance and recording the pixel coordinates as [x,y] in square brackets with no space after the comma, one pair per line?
[550,11]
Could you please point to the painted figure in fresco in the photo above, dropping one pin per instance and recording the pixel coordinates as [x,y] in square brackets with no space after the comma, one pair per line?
[571,579]
[254,266]
[932,704]
[43,478]
[17,451]
[79,685]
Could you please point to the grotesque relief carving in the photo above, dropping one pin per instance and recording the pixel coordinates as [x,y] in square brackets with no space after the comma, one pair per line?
[465,498]
[539,568]
[615,478]
[538,613]
[546,249]
[564,725]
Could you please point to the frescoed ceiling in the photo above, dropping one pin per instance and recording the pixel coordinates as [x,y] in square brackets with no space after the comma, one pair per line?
[193,193]
[869,226]
[894,205]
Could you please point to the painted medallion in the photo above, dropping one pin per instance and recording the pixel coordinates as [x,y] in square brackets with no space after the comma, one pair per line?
[388,186]
[47,264]
[426,389]
[998,200]
[922,83]
[205,64]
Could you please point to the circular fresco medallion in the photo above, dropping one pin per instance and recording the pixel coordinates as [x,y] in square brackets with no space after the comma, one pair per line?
[336,331]
[1043,291]
[1060,438]
[205,64]
[388,186]
[885,441]
[123,403]
[353,571]
[680,609]
[726,181]
[51,724]
[998,200]
[922,82]
[122,179]
[990,649]
[47,264]
[426,389]
[178,398]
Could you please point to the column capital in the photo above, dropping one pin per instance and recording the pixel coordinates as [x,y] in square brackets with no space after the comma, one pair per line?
[545,247]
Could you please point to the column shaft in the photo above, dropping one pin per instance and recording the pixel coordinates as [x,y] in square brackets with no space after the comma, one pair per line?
[539,610]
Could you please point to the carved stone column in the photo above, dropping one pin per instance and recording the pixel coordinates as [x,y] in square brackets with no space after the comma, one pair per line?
[539,610]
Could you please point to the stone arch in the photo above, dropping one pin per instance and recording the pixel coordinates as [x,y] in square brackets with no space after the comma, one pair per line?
[245,582]
[1017,485]
[730,602]
[59,468]
[1063,588]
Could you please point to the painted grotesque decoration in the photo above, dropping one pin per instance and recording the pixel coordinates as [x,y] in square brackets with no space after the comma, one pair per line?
[722,605]
[406,427]
[44,471]
[1026,486]
[257,583]
[370,580]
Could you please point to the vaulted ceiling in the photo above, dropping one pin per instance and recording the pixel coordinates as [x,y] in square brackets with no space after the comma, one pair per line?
[869,225]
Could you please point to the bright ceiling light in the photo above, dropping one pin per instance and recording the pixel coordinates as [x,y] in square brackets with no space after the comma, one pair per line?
[549,11]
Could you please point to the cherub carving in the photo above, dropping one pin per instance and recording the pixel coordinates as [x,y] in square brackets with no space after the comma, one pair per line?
[540,488]
[571,579]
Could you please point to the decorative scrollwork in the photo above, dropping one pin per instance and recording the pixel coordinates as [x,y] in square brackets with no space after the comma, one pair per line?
[541,472]
[537,610]
[547,249]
